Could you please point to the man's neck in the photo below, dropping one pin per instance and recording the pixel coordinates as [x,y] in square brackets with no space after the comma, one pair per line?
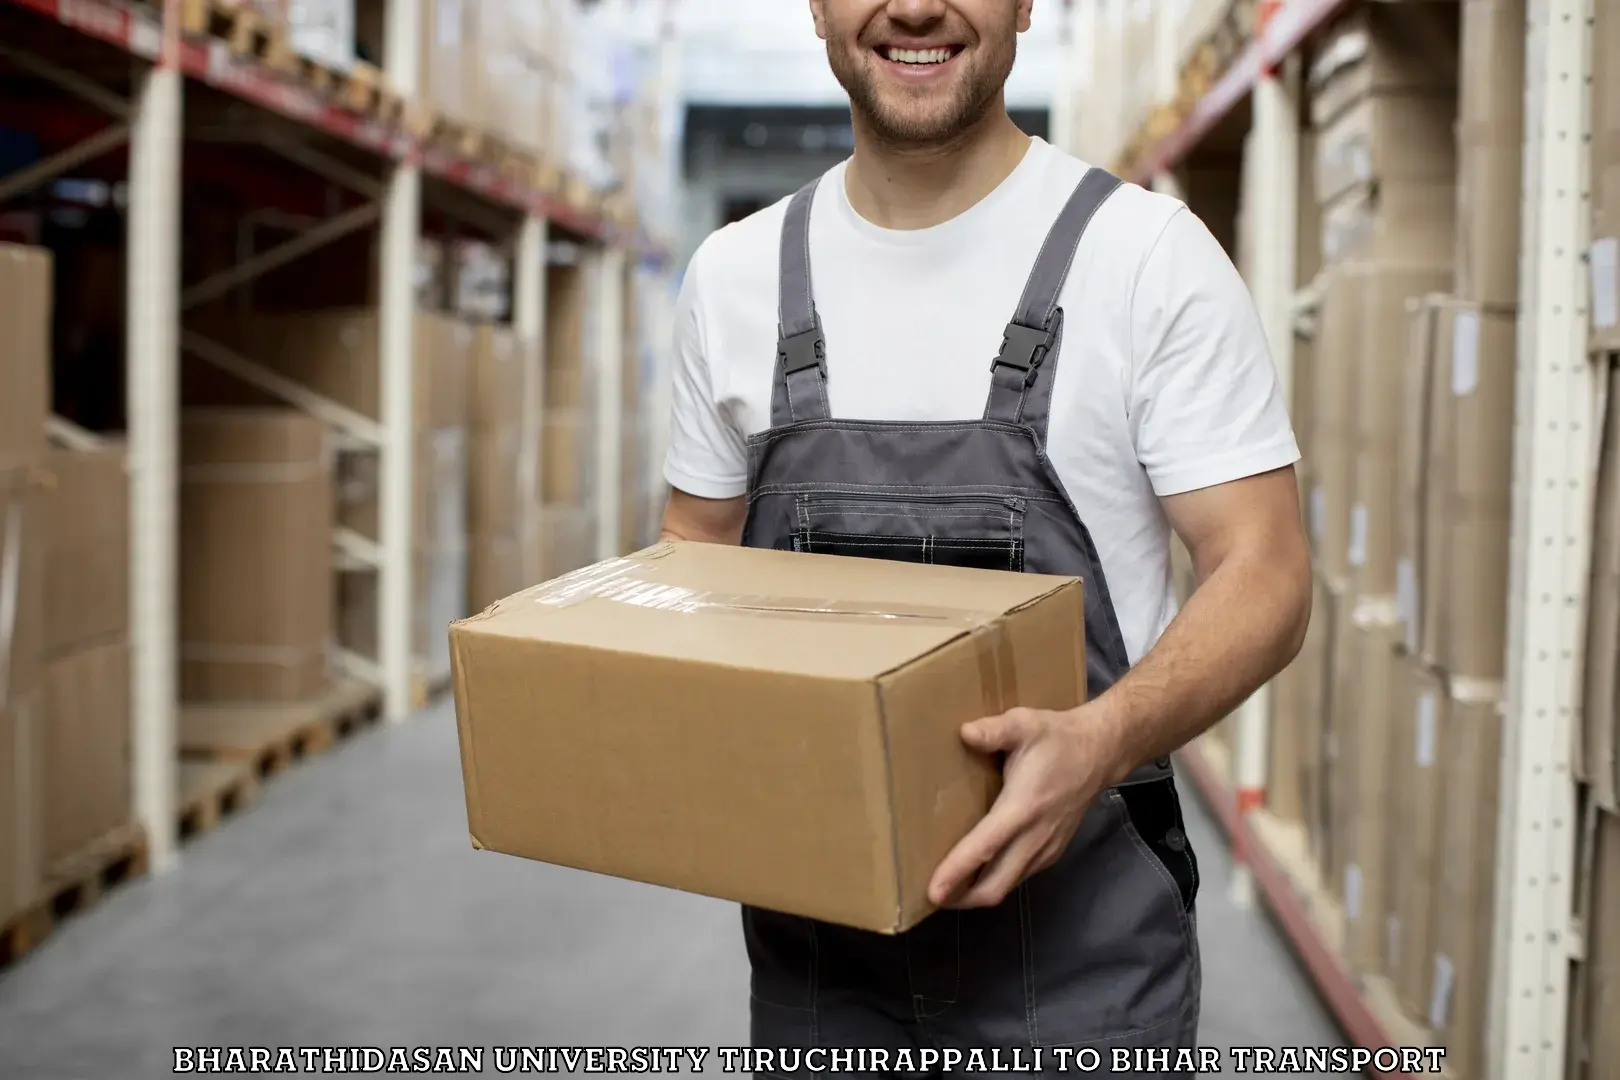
[897,188]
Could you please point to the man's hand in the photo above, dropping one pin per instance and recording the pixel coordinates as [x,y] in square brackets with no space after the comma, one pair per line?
[1057,764]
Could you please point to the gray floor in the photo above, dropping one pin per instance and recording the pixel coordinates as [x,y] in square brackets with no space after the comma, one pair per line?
[347,909]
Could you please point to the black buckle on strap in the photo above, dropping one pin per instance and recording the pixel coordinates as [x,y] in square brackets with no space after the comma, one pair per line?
[1022,349]
[803,351]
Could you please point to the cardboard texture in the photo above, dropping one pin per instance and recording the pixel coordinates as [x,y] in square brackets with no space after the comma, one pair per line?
[1490,150]
[566,373]
[1403,224]
[494,570]
[23,545]
[841,806]
[21,865]
[1320,749]
[256,555]
[1478,508]
[1411,452]
[1604,261]
[1388,138]
[495,500]
[1383,49]
[567,539]
[25,353]
[1601,972]
[1600,732]
[1419,750]
[498,375]
[1361,814]
[1296,719]
[1380,376]
[567,460]
[1466,878]
[87,569]
[86,748]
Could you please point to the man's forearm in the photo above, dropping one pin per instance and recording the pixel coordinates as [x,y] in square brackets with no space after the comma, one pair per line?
[1240,627]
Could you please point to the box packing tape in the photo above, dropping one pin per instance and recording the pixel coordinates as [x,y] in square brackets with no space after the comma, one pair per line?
[620,581]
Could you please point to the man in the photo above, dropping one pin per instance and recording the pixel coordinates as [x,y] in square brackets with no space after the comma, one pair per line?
[834,392]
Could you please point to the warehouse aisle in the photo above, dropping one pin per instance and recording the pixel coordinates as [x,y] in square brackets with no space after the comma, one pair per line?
[348,910]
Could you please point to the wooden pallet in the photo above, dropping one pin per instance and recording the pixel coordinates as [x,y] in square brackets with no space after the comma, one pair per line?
[273,736]
[73,885]
[213,791]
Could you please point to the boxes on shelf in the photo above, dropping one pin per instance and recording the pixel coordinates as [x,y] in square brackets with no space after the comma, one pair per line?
[1490,148]
[1386,138]
[801,815]
[1605,252]
[1379,50]
[323,31]
[1299,703]
[1317,745]
[497,503]
[255,555]
[1418,753]
[568,458]
[566,540]
[448,65]
[1598,986]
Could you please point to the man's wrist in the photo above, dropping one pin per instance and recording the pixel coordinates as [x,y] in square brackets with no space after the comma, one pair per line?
[1111,730]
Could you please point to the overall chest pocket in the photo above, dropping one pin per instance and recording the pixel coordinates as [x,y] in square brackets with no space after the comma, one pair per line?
[979,531]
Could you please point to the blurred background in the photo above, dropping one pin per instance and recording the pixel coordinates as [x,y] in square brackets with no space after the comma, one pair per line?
[326,322]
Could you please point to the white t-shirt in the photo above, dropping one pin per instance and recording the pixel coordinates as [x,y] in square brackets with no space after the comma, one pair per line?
[1164,383]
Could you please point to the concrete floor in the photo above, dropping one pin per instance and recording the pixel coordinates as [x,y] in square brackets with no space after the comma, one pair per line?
[347,909]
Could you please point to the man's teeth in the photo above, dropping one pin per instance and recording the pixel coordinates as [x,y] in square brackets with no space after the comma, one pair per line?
[920,56]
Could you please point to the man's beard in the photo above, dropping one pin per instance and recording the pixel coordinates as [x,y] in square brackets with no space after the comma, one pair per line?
[927,121]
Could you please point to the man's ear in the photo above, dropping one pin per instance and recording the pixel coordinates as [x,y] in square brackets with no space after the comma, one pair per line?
[1024,8]
[819,15]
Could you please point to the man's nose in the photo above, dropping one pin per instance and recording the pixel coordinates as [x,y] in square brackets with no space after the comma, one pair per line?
[915,14]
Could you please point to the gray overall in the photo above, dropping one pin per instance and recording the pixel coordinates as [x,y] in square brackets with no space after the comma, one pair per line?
[1100,950]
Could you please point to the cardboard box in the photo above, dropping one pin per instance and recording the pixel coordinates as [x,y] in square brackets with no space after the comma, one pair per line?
[1490,147]
[1319,749]
[1478,508]
[439,489]
[1380,376]
[21,869]
[1605,252]
[1399,224]
[25,353]
[86,748]
[87,568]
[498,376]
[568,457]
[1599,746]
[1600,977]
[1383,49]
[568,295]
[567,539]
[1418,754]
[1362,822]
[495,499]
[255,555]
[841,807]
[23,546]
[494,570]
[1299,700]
[1388,138]
[1466,888]
[1411,451]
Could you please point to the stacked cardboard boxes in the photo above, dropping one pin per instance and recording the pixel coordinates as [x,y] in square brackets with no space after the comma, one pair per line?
[568,482]
[86,744]
[1605,251]
[255,556]
[496,501]
[25,312]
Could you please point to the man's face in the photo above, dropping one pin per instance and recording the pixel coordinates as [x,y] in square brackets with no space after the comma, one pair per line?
[921,71]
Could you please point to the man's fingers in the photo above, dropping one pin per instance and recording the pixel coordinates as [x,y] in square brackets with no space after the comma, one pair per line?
[1003,873]
[977,849]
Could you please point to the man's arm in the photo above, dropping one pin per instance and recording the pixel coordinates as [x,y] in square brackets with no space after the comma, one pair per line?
[706,521]
[1243,624]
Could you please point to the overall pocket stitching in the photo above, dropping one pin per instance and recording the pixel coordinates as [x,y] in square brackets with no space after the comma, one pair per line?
[1154,861]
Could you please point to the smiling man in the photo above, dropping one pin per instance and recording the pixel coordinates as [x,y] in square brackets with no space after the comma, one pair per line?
[835,392]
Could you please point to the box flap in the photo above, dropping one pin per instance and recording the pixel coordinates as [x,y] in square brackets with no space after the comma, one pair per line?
[814,615]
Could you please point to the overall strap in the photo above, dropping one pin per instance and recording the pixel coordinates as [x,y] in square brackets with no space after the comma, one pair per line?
[1021,374]
[799,388]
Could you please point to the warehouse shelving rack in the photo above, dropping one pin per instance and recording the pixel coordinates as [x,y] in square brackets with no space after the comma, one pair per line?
[1537,932]
[183,102]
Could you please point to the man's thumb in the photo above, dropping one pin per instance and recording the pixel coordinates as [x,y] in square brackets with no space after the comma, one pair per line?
[996,733]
